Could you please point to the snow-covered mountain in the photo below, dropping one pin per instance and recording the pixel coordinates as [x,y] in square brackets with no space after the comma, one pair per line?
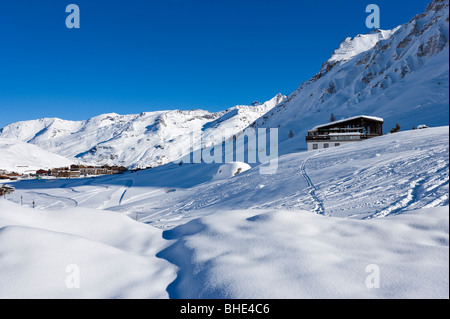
[136,140]
[326,224]
[401,75]
[23,157]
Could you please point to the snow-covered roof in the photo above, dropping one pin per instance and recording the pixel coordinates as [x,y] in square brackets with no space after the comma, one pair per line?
[373,118]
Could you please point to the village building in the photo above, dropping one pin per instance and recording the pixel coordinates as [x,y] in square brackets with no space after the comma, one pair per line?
[42,172]
[350,130]
[68,174]
[77,171]
[11,176]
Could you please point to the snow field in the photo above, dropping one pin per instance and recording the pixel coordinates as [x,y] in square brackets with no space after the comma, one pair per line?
[296,254]
[113,256]
[243,236]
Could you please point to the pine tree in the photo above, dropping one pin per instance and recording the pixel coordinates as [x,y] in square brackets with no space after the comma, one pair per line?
[291,134]
[332,118]
[395,129]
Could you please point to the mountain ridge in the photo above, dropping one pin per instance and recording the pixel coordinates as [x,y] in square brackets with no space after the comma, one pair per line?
[402,78]
[401,75]
[134,140]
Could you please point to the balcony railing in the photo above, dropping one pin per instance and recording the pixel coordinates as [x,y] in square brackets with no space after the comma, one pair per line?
[319,138]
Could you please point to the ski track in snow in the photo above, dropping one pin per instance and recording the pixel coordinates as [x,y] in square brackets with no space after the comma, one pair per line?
[376,179]
[319,206]
[67,202]
[365,180]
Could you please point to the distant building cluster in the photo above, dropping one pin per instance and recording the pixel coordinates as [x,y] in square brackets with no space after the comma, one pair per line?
[77,171]
[9,175]
[74,171]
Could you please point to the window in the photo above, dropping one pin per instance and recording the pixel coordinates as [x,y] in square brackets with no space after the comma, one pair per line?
[326,145]
[315,146]
[346,137]
[337,144]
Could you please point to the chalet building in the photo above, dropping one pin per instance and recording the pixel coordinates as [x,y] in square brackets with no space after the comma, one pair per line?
[67,174]
[42,172]
[90,170]
[345,131]
[11,176]
[105,170]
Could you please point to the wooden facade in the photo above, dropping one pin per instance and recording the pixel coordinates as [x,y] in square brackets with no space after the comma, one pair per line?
[344,131]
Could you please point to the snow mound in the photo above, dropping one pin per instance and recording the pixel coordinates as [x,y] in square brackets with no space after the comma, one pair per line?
[231,169]
[273,254]
[113,256]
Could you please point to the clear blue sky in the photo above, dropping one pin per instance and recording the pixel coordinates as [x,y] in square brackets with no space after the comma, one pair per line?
[144,55]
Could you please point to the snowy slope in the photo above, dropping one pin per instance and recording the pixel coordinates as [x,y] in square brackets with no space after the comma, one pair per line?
[114,256]
[20,157]
[400,75]
[278,254]
[229,254]
[243,236]
[310,230]
[351,47]
[136,140]
[379,177]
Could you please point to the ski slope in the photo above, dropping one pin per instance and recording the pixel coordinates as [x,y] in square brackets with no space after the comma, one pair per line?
[375,178]
[313,229]
[308,231]
[20,157]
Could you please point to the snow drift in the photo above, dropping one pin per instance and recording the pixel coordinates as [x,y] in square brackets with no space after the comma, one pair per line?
[115,255]
[231,169]
[296,254]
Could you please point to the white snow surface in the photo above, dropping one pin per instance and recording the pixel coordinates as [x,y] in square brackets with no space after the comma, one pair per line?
[381,176]
[20,157]
[245,236]
[231,169]
[351,47]
[295,254]
[310,230]
[115,256]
